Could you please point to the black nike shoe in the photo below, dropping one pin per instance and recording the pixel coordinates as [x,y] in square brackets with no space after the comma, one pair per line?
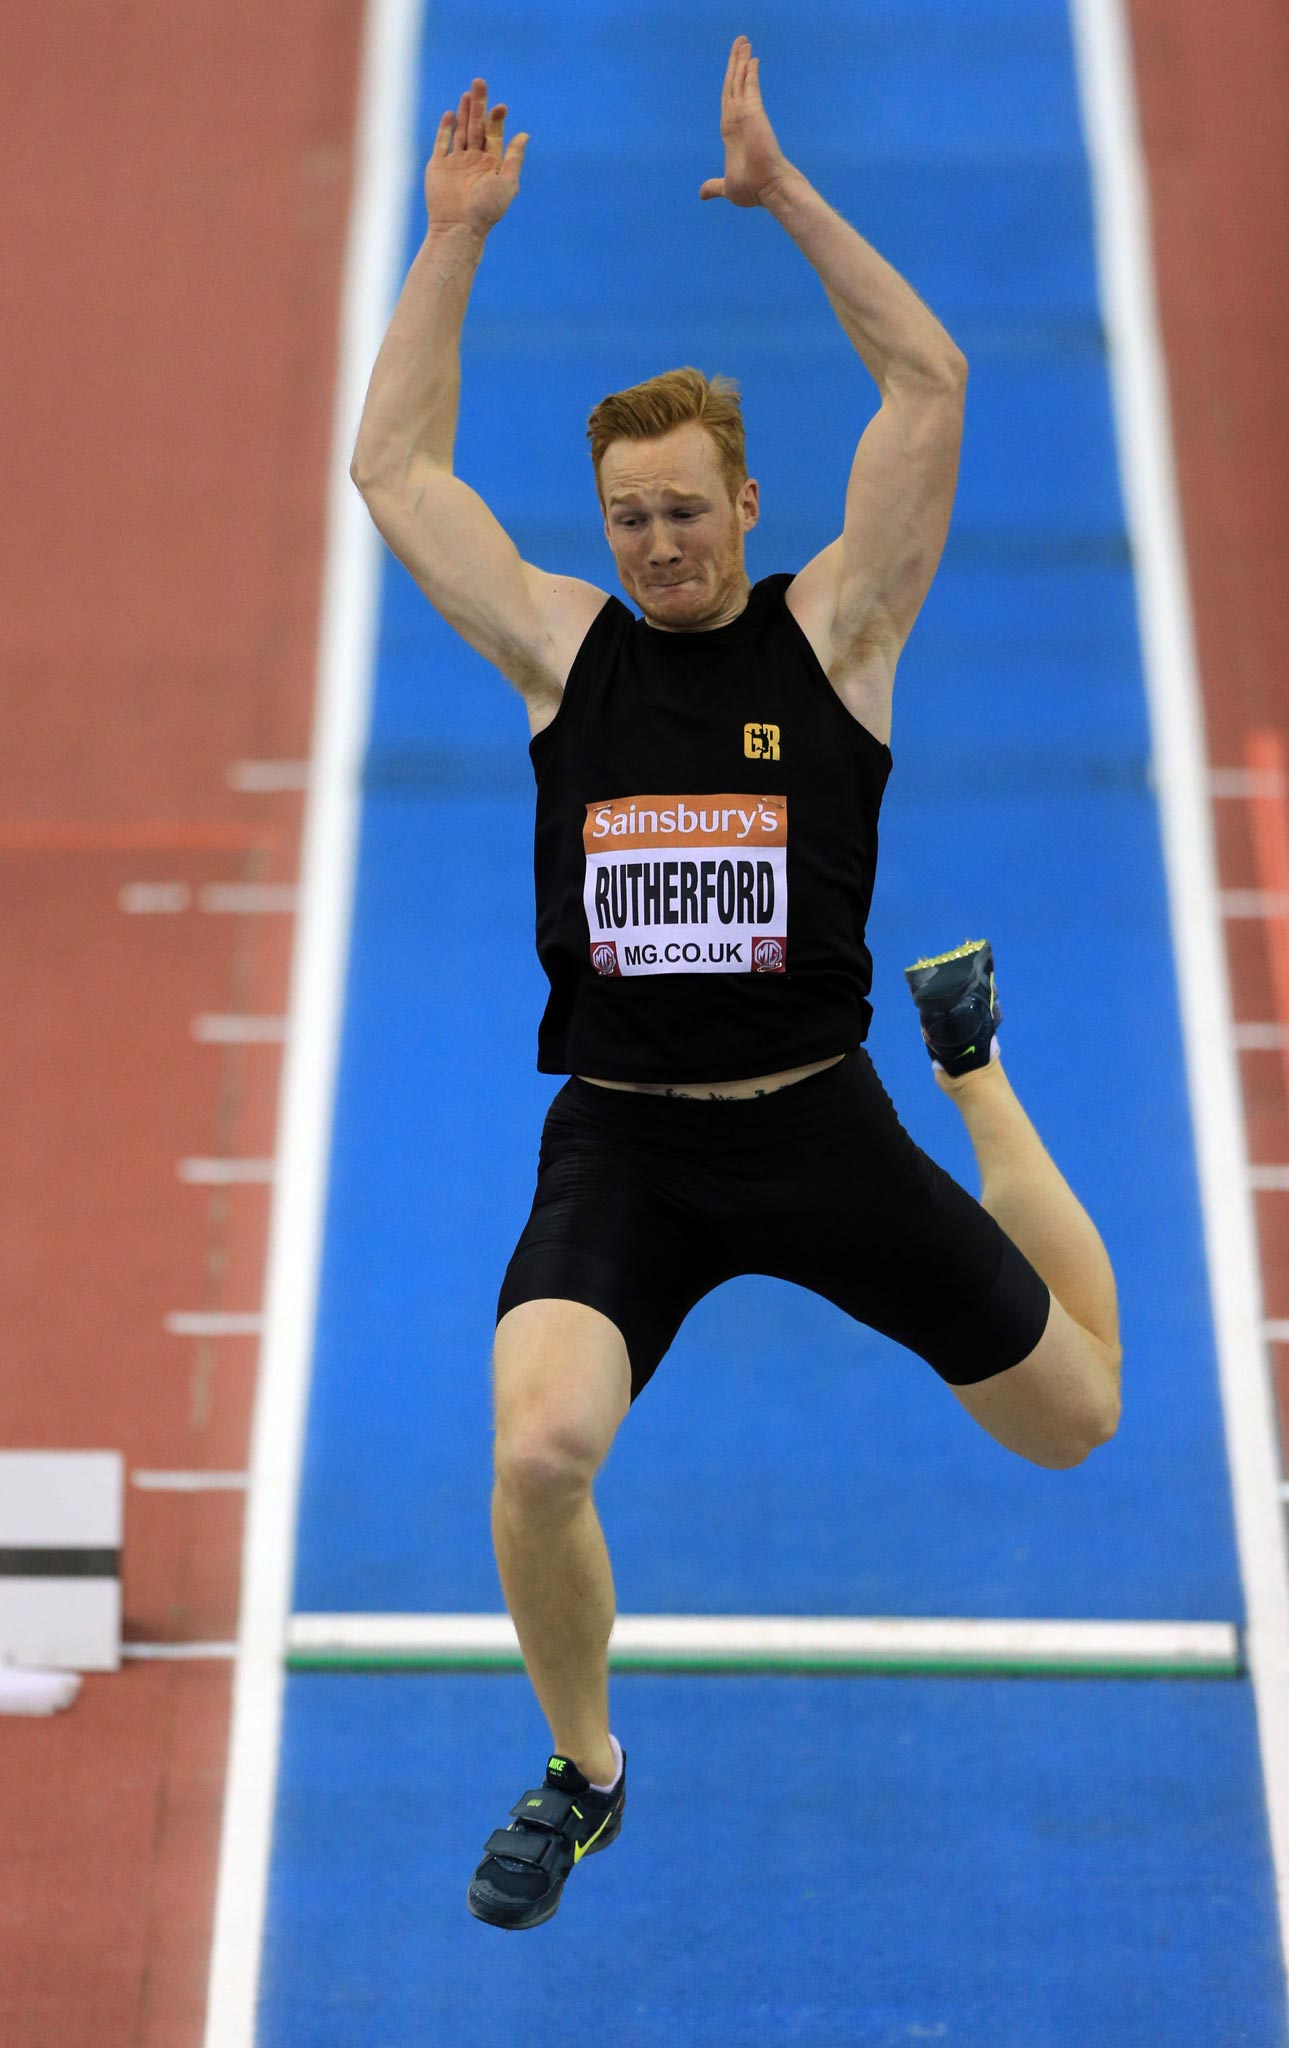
[519,1881]
[958,1005]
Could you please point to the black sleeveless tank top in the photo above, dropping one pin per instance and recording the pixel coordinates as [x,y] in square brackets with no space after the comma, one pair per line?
[704,852]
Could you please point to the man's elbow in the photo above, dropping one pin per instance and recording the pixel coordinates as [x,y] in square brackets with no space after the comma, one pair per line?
[949,367]
[943,372]
[374,461]
[361,472]
[387,468]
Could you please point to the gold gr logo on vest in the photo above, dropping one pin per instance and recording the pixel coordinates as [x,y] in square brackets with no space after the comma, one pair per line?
[761,742]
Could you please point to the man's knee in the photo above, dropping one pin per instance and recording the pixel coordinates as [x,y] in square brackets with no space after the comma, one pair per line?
[1088,1420]
[545,1464]
[562,1384]
[1057,1405]
[1080,1438]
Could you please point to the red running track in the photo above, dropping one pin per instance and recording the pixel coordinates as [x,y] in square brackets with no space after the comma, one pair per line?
[1212,85]
[173,207]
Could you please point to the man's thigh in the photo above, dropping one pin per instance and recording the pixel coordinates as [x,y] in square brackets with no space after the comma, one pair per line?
[615,1227]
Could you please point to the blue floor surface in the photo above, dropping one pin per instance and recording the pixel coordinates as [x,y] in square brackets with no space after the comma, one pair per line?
[985,1864]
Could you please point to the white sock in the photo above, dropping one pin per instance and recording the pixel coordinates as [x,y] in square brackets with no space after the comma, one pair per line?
[617,1766]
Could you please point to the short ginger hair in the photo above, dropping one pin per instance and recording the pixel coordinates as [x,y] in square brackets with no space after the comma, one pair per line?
[645,411]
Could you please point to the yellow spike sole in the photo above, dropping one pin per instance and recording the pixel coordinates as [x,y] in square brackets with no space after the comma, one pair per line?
[958,953]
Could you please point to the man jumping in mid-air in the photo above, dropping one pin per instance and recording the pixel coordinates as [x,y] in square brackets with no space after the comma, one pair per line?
[709,777]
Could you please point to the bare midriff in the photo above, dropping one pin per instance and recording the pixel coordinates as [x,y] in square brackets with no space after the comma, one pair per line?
[711,1091]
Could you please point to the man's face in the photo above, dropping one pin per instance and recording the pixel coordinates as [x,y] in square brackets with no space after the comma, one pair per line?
[669,521]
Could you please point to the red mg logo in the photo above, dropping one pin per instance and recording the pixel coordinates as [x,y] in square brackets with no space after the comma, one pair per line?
[604,956]
[769,956]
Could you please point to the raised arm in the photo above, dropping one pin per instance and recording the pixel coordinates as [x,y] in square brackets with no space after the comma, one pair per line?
[905,471]
[514,615]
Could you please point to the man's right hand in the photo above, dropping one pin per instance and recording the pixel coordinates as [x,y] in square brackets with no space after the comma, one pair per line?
[471,182]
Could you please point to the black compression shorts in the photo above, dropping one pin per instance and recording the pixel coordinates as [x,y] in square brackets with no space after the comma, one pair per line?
[645,1203]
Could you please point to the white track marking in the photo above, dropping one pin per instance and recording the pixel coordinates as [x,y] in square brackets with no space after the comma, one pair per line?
[1252,903]
[262,778]
[1104,60]
[143,897]
[1245,782]
[225,1173]
[214,1323]
[1259,1037]
[242,898]
[752,1639]
[172,1650]
[1269,1176]
[240,1030]
[1276,1330]
[190,1482]
[383,182]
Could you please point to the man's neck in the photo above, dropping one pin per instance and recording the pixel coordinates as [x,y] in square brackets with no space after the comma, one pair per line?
[707,625]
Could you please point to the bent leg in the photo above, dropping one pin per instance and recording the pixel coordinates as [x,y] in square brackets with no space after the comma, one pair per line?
[1062,1400]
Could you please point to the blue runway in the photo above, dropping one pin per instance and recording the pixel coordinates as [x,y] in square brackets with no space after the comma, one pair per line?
[983,1863]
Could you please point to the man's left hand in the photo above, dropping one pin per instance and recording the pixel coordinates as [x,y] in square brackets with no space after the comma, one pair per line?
[754,163]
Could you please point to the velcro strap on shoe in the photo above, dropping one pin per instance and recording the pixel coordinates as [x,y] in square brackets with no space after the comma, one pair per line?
[540,1850]
[543,1807]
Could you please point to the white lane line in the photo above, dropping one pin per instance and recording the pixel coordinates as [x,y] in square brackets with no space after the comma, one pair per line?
[241,897]
[215,1030]
[170,1650]
[1259,1037]
[1276,1330]
[1104,59]
[751,1639]
[261,778]
[384,182]
[189,1482]
[1245,782]
[1252,903]
[214,1323]
[1269,1176]
[142,897]
[225,1173]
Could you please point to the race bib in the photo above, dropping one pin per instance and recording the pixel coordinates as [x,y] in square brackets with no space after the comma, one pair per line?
[687,884]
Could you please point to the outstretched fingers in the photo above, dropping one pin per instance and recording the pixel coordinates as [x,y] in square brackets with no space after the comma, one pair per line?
[478,114]
[742,77]
[473,125]
[468,120]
